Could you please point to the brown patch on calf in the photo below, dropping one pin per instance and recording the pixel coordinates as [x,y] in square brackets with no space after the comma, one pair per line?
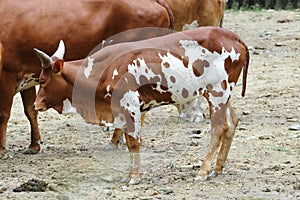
[138,63]
[213,92]
[224,84]
[185,93]
[143,80]
[198,67]
[166,64]
[172,79]
[185,62]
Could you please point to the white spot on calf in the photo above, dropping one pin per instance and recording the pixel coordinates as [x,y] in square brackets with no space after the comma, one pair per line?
[68,108]
[107,90]
[115,73]
[89,68]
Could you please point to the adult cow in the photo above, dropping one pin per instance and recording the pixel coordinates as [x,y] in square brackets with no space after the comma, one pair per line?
[205,12]
[121,82]
[82,24]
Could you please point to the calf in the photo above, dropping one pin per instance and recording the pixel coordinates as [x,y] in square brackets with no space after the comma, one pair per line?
[119,83]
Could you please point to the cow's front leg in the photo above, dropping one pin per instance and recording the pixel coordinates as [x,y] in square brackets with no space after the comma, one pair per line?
[28,97]
[134,145]
[7,85]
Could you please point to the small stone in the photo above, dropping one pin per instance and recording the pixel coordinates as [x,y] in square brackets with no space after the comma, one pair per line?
[266,190]
[295,127]
[279,44]
[194,144]
[292,120]
[2,190]
[261,137]
[246,112]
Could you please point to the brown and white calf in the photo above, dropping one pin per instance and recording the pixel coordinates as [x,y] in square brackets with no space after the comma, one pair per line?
[119,83]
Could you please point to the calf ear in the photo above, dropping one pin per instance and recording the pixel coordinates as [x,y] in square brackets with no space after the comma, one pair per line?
[57,68]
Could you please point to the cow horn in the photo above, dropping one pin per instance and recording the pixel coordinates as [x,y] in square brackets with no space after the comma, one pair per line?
[46,61]
[60,52]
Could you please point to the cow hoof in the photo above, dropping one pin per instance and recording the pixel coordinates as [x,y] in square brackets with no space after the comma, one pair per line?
[5,155]
[110,147]
[130,180]
[213,174]
[30,151]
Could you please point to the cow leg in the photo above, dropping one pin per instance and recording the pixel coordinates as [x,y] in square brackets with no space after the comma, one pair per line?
[28,97]
[232,122]
[219,128]
[7,91]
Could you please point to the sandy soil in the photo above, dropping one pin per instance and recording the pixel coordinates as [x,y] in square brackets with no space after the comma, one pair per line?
[264,161]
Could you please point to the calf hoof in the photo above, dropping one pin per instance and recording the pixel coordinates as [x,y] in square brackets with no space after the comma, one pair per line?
[200,178]
[110,147]
[197,118]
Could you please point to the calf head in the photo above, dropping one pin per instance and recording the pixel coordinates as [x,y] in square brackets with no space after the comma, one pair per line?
[52,91]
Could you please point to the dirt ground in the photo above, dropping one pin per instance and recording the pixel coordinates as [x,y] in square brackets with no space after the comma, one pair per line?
[264,161]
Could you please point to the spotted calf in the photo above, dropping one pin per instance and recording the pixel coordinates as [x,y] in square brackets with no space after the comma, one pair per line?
[120,83]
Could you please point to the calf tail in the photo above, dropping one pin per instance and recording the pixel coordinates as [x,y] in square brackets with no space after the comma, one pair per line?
[169,11]
[245,71]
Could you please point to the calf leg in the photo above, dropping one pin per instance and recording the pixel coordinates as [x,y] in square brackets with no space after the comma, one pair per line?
[28,97]
[7,91]
[118,134]
[115,140]
[219,128]
[134,176]
[232,122]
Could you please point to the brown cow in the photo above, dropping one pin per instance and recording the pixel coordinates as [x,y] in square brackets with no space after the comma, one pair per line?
[82,24]
[205,12]
[121,82]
